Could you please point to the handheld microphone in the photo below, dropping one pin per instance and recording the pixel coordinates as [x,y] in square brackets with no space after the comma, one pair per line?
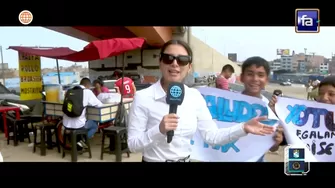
[277,92]
[174,97]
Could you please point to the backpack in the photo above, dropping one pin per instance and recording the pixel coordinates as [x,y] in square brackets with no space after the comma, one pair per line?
[73,102]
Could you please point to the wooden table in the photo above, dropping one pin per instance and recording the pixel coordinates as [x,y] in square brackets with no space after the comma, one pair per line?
[4,110]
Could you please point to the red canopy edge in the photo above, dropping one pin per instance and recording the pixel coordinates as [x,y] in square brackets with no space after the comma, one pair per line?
[95,50]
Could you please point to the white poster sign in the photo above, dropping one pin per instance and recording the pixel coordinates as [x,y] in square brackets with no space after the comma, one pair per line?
[310,122]
[228,109]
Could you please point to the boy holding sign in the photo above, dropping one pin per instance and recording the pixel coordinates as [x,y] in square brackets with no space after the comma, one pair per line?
[255,76]
[326,94]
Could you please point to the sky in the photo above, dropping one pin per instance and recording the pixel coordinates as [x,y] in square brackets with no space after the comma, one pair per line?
[36,36]
[245,41]
[263,41]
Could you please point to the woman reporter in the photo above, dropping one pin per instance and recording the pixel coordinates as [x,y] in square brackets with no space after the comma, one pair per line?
[149,120]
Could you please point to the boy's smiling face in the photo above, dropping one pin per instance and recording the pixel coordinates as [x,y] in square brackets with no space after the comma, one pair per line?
[326,94]
[254,79]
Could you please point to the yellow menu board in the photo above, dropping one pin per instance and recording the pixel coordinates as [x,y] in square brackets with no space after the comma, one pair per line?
[30,77]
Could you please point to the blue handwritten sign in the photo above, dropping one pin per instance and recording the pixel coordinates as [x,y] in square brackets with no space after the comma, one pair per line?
[299,115]
[224,148]
[228,109]
[309,125]
[241,111]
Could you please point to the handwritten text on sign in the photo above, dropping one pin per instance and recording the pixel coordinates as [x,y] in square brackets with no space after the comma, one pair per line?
[241,111]
[30,77]
[228,109]
[312,122]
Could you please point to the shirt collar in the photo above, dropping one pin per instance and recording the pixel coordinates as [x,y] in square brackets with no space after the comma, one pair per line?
[159,92]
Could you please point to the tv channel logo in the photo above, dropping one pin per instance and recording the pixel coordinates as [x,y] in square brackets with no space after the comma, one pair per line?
[307,20]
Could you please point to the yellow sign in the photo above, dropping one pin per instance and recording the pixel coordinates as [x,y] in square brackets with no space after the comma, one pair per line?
[285,52]
[30,77]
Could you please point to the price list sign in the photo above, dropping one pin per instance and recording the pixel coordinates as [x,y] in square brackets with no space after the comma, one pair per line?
[30,77]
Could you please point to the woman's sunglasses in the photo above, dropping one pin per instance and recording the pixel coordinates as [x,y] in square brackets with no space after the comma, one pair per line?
[182,60]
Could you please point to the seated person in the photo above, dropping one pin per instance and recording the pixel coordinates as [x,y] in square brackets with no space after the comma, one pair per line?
[99,87]
[129,87]
[80,94]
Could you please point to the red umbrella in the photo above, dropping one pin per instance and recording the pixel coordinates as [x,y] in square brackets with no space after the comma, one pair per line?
[49,52]
[95,50]
[102,49]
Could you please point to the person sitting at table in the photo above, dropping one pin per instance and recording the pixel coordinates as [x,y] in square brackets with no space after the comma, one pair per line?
[89,99]
[99,87]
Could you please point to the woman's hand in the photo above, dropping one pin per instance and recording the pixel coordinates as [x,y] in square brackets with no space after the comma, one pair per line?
[168,123]
[254,126]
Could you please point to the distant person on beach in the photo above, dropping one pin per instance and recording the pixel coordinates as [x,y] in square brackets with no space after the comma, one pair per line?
[222,81]
[315,91]
[99,87]
[129,87]
[309,89]
[316,83]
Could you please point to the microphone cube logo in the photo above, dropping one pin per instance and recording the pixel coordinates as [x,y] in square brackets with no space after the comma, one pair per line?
[176,91]
[307,20]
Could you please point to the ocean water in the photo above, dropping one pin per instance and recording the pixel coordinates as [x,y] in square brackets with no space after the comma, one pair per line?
[15,82]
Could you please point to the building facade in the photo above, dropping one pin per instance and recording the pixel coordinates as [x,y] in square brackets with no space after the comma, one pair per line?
[301,66]
[275,64]
[232,57]
[331,65]
[312,62]
[286,63]
[324,68]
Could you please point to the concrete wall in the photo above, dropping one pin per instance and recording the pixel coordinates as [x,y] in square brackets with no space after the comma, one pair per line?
[207,59]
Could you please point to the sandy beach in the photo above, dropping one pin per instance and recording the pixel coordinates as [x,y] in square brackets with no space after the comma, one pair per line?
[23,152]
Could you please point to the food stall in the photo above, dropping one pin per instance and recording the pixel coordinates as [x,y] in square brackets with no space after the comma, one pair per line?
[95,50]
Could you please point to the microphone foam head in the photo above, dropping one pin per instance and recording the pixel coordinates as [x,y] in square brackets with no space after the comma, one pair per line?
[175,93]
